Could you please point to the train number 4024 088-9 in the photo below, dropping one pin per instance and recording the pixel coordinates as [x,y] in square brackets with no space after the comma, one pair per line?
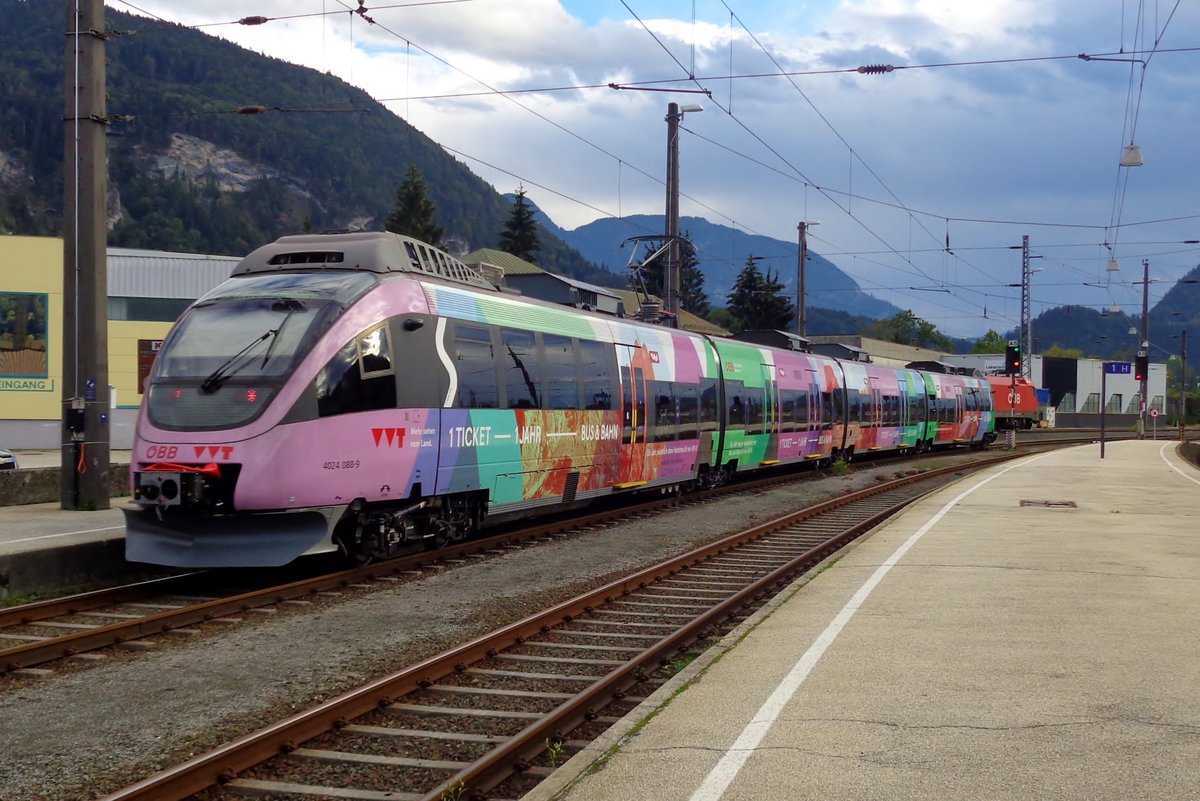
[344,464]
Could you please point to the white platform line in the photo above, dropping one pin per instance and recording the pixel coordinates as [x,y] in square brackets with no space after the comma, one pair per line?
[726,770]
[63,534]
[1162,453]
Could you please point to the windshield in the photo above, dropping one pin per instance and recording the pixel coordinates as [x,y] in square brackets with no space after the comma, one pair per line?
[254,327]
[230,353]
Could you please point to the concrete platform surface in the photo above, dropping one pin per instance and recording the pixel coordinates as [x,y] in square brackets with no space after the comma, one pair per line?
[1029,633]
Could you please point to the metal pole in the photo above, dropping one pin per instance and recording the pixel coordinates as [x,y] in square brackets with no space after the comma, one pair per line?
[671,271]
[801,293]
[85,395]
[1103,404]
[1183,386]
[1145,346]
[1026,316]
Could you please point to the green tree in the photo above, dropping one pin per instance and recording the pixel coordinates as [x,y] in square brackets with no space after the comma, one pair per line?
[1057,351]
[414,211]
[520,235]
[757,300]
[906,328]
[991,342]
[691,280]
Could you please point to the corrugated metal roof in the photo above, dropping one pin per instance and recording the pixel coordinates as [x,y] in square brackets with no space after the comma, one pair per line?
[161,274]
[511,264]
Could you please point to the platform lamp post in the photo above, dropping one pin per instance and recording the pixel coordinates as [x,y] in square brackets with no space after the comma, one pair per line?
[671,281]
[1182,384]
[801,278]
[1145,340]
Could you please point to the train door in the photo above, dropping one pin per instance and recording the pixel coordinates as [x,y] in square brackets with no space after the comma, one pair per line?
[770,416]
[633,416]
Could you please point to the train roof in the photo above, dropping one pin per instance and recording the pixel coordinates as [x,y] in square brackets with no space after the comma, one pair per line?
[368,251]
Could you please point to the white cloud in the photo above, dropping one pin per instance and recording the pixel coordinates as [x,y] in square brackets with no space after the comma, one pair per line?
[1034,141]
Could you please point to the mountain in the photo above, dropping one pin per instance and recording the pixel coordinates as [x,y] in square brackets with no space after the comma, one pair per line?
[216,149]
[1107,335]
[722,253]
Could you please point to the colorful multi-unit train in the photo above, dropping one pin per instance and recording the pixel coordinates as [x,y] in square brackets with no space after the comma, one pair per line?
[366,393]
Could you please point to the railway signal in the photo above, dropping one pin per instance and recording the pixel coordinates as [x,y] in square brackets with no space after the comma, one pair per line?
[1012,358]
[1141,366]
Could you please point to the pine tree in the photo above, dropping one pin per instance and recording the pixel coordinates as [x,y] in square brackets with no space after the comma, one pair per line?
[414,211]
[520,237]
[691,280]
[757,300]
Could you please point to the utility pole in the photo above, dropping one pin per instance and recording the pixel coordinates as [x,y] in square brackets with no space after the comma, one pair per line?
[85,395]
[801,279]
[1145,346]
[671,270]
[1026,316]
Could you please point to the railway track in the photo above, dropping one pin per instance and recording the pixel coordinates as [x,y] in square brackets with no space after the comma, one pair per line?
[130,616]
[494,716]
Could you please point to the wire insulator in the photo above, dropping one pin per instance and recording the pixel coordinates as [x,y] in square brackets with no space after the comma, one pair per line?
[875,69]
[251,110]
[254,20]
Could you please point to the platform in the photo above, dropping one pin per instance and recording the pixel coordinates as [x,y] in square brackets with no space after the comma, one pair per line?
[1032,632]
[44,547]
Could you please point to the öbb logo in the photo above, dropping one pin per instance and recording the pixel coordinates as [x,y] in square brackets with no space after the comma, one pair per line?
[393,437]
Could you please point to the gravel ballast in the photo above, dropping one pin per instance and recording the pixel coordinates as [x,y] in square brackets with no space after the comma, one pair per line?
[80,734]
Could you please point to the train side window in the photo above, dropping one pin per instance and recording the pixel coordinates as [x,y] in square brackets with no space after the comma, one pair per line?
[755,411]
[562,386]
[685,401]
[664,412]
[830,409]
[595,365]
[475,361]
[360,377]
[709,405]
[787,410]
[735,400]
[519,362]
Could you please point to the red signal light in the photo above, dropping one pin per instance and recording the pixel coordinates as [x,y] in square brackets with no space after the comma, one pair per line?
[251,395]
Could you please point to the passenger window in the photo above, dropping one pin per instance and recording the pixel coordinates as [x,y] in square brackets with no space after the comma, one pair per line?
[562,388]
[521,375]
[595,362]
[360,377]
[709,406]
[475,363]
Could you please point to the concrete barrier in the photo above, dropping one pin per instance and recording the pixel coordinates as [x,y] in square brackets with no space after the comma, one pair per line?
[41,484]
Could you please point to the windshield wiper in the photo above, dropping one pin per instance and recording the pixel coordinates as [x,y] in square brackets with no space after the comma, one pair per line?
[227,368]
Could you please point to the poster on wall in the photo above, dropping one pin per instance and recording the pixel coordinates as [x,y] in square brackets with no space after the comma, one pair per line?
[147,351]
[23,331]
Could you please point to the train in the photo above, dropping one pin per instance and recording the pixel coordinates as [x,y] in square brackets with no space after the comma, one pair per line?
[1015,402]
[364,394]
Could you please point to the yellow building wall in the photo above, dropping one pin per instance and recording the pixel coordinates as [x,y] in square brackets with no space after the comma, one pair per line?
[123,336]
[31,264]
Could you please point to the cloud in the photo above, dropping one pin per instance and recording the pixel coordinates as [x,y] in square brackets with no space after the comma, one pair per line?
[889,163]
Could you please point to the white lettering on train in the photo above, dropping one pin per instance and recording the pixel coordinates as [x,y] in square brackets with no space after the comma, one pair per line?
[590,431]
[529,435]
[469,436]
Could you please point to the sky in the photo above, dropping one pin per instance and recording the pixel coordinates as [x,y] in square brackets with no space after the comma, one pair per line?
[919,182]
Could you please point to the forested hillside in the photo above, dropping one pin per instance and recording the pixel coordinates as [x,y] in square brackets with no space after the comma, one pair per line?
[323,155]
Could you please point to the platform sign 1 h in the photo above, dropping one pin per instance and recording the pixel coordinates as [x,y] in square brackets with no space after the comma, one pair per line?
[1118,368]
